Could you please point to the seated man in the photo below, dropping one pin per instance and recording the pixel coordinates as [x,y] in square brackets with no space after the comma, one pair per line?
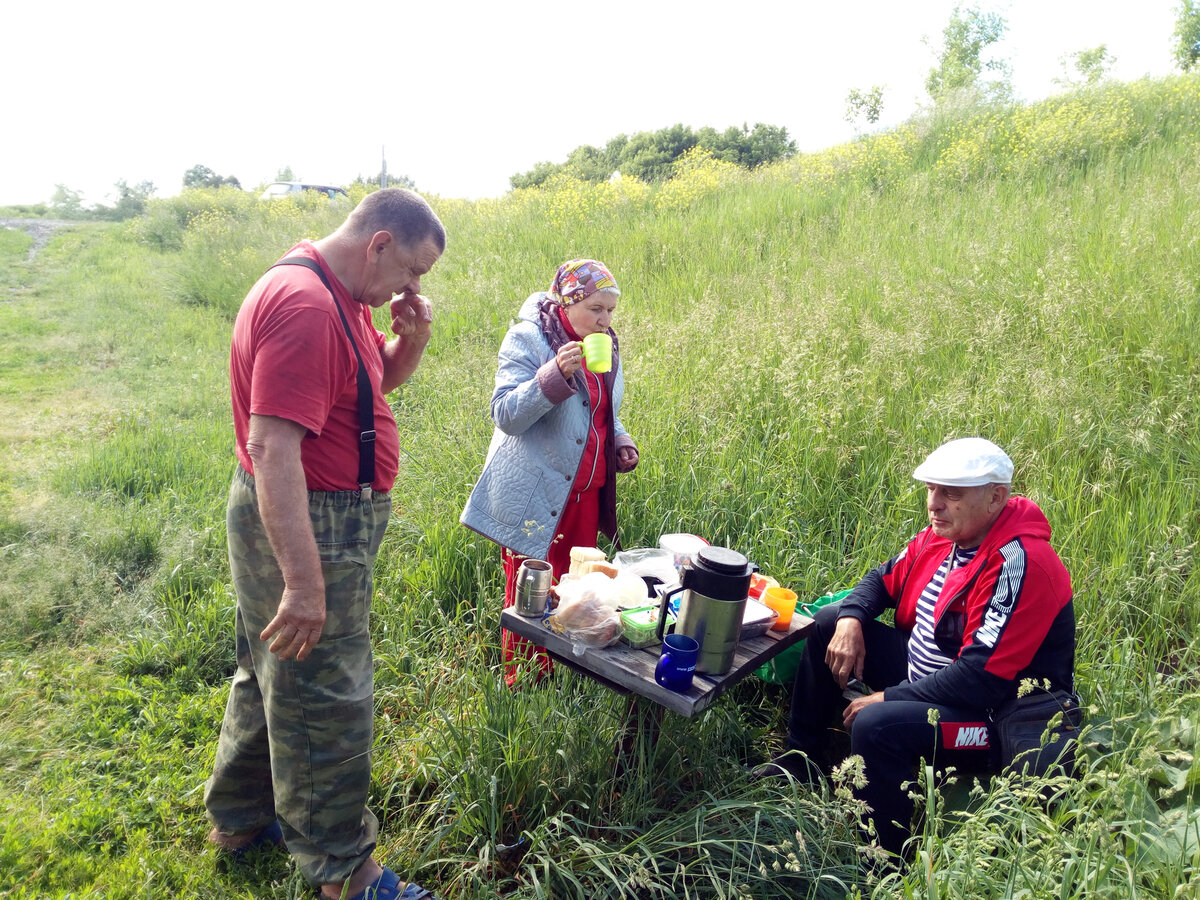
[982,602]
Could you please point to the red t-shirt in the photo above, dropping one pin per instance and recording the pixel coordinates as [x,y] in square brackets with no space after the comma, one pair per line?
[291,358]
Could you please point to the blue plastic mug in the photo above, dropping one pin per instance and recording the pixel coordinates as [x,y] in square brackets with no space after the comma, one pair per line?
[677,663]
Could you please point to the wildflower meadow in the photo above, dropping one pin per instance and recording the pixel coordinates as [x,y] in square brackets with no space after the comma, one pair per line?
[795,339]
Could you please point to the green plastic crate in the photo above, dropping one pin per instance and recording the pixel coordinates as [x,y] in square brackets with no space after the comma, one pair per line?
[782,668]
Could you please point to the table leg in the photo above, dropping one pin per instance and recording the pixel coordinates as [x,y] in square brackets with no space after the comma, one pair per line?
[642,719]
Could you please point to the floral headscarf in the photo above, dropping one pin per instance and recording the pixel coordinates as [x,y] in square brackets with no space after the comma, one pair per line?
[578,279]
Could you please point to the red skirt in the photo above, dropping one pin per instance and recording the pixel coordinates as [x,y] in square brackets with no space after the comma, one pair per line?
[578,527]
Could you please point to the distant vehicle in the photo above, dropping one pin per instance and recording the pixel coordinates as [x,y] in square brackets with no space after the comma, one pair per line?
[279,189]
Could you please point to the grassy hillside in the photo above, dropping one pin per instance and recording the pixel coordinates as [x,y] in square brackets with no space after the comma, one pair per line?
[795,340]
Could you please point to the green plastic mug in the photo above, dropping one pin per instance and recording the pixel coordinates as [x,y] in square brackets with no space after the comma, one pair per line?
[597,352]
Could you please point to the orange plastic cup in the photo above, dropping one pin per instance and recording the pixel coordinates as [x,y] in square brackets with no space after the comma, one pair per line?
[783,601]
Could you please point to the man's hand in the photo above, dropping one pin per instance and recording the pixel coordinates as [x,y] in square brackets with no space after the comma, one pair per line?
[412,323]
[297,624]
[412,316]
[627,459]
[846,651]
[856,706]
[274,446]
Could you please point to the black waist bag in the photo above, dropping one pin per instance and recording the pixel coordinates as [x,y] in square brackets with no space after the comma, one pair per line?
[1019,725]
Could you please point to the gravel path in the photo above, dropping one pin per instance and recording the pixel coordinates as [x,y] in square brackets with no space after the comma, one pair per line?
[40,230]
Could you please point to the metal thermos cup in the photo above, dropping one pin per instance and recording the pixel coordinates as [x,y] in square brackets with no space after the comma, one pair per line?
[712,607]
[533,587]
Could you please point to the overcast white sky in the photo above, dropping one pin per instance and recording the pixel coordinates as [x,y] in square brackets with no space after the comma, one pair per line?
[465,94]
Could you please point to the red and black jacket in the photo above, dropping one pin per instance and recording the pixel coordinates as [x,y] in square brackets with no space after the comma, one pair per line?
[1004,617]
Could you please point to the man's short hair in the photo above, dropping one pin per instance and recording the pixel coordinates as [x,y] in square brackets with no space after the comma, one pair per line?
[402,213]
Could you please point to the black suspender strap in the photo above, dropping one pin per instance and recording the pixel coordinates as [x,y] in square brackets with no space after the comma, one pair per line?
[366,405]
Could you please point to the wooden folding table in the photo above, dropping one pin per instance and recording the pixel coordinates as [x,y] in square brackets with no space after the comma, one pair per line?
[631,671]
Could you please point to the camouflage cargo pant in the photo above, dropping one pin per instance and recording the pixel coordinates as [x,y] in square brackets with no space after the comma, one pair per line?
[296,736]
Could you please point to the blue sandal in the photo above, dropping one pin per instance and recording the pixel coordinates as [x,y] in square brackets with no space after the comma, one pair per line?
[387,887]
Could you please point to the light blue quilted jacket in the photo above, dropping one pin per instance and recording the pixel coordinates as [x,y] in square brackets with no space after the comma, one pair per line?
[542,422]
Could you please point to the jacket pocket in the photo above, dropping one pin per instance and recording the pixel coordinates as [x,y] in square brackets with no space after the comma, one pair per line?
[507,492]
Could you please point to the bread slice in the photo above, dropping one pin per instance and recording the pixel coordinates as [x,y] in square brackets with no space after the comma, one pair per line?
[581,555]
[584,554]
[603,568]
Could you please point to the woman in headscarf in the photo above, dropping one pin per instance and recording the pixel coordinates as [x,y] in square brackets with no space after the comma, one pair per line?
[549,481]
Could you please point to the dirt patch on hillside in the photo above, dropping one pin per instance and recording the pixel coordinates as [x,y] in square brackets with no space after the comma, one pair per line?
[41,230]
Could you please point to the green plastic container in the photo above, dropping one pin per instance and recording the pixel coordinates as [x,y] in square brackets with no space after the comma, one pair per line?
[640,626]
[782,668]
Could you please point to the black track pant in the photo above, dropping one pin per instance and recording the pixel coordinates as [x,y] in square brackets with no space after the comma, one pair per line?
[892,737]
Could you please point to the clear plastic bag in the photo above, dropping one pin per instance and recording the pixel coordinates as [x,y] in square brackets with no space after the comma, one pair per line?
[588,611]
[648,562]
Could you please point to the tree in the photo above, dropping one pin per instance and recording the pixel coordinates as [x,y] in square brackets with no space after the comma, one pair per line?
[131,201]
[203,177]
[966,36]
[286,174]
[1091,67]
[535,176]
[864,104]
[747,147]
[66,203]
[199,177]
[766,143]
[591,163]
[650,155]
[1187,34]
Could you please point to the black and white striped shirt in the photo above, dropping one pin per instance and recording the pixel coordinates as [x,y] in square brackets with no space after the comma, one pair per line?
[923,653]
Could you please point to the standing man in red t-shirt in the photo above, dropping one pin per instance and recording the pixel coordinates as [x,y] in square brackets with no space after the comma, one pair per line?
[318,453]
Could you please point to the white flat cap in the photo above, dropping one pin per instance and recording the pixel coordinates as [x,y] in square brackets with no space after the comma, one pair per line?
[966,462]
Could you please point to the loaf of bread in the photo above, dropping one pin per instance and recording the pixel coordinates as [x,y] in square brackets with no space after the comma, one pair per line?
[589,619]
[581,555]
[602,567]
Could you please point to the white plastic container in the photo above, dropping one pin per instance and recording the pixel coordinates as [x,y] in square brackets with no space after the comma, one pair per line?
[683,547]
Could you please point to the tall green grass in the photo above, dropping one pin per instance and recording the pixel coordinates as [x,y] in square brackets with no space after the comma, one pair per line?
[795,340]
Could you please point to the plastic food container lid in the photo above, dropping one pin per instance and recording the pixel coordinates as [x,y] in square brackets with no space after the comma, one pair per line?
[640,626]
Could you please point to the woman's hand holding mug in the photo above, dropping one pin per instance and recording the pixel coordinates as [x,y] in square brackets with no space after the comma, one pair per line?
[569,358]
